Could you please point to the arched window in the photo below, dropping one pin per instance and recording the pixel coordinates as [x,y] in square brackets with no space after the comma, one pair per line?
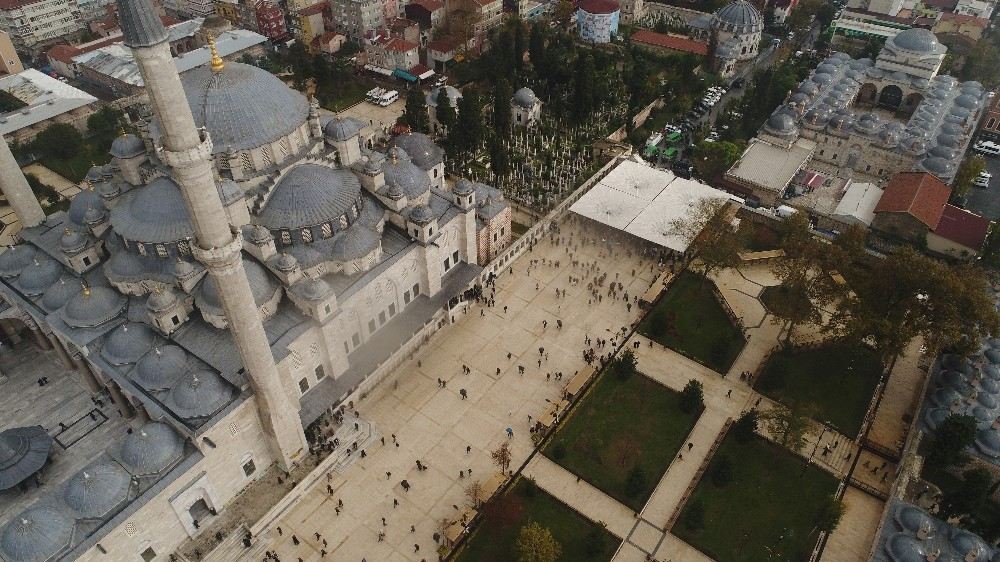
[307,235]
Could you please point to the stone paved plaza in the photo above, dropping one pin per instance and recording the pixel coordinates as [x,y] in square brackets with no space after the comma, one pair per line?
[435,425]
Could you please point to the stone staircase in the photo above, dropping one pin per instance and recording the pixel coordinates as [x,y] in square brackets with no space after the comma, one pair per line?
[231,548]
[365,435]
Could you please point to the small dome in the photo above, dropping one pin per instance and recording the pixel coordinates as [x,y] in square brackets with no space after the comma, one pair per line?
[259,235]
[93,306]
[340,129]
[127,146]
[914,145]
[16,258]
[96,490]
[161,300]
[315,289]
[841,122]
[915,40]
[154,213]
[967,101]
[404,176]
[125,265]
[355,242]
[151,449]
[262,285]
[913,519]
[421,214]
[827,68]
[183,269]
[952,129]
[935,416]
[73,241]
[59,293]
[81,203]
[285,262]
[988,442]
[374,162]
[808,88]
[888,138]
[781,124]
[39,276]
[525,98]
[127,343]
[420,149]
[968,544]
[937,166]
[822,79]
[36,534]
[740,17]
[798,98]
[200,394]
[310,195]
[905,548]
[943,152]
[945,397]
[94,215]
[159,369]
[463,187]
[453,95]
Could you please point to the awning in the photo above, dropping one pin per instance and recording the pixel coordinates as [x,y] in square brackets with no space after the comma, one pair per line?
[378,70]
[400,73]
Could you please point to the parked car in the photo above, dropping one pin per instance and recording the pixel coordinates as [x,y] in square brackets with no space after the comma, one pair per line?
[989,148]
[983,179]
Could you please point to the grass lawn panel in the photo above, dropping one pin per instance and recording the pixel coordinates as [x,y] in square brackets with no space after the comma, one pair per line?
[619,425]
[496,536]
[837,380]
[773,493]
[690,321]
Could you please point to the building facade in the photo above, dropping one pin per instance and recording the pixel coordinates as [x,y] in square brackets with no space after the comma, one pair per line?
[10,62]
[597,20]
[34,24]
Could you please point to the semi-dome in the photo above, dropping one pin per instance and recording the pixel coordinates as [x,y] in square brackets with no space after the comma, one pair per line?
[39,275]
[420,148]
[913,519]
[159,369]
[155,213]
[127,146]
[200,394]
[916,40]
[93,306]
[406,177]
[372,213]
[80,203]
[151,449]
[262,285]
[126,265]
[988,443]
[127,343]
[59,293]
[525,98]
[310,195]
[73,240]
[421,214]
[36,534]
[340,129]
[355,242]
[453,95]
[161,300]
[739,17]
[243,106]
[97,489]
[315,289]
[15,258]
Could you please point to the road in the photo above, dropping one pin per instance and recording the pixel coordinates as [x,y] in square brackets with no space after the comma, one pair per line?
[986,202]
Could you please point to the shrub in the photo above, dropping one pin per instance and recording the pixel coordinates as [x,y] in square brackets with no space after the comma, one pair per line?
[692,397]
[746,426]
[635,484]
[722,471]
[530,489]
[694,516]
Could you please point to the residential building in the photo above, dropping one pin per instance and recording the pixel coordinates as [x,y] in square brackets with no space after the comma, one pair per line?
[35,24]
[428,13]
[989,126]
[782,8]
[968,29]
[10,62]
[47,101]
[357,19]
[308,23]
[668,42]
[391,53]
[441,51]
[328,43]
[271,22]
[976,8]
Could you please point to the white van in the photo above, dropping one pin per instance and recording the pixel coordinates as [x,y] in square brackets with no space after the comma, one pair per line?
[987,147]
[387,98]
[374,94]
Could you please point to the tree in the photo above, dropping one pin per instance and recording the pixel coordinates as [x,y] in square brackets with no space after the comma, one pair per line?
[9,102]
[536,544]
[563,11]
[745,427]
[624,366]
[60,141]
[712,238]
[475,494]
[583,90]
[536,44]
[468,132]
[981,64]
[415,112]
[787,425]
[831,511]
[42,191]
[445,111]
[953,436]
[593,543]
[501,457]
[501,109]
[499,158]
[972,495]
[967,171]
[635,482]
[713,159]
[692,397]
[104,125]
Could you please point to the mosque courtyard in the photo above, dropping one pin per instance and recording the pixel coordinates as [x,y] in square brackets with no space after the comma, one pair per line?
[362,511]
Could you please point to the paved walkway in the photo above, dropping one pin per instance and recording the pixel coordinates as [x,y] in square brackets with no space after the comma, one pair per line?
[899,402]
[853,538]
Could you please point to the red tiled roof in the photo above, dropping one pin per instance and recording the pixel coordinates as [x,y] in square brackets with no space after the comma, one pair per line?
[418,70]
[444,44]
[965,19]
[14,4]
[398,45]
[429,5]
[599,6]
[65,53]
[918,194]
[963,227]
[672,42]
[316,8]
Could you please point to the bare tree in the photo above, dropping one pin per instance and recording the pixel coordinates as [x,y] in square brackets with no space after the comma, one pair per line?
[475,494]
[501,457]
[713,235]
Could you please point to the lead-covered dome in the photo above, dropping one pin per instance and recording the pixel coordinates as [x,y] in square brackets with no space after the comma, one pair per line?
[127,343]
[355,242]
[342,128]
[38,533]
[404,177]
[915,40]
[243,106]
[93,306]
[150,449]
[452,92]
[127,146]
[200,394]
[420,148]
[310,195]
[262,285]
[59,293]
[781,124]
[96,490]
[739,17]
[525,98]
[155,213]
[159,369]
[15,259]
[39,275]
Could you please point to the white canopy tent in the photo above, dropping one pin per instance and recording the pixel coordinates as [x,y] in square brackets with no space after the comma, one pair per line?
[644,202]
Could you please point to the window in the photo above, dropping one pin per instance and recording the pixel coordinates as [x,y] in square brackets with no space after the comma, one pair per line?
[454,256]
[326,230]
[326,309]
[435,173]
[416,290]
[356,339]
[834,156]
[286,237]
[991,123]
[249,467]
[303,385]
[821,152]
[148,554]
[501,231]
[175,320]
[86,261]
[447,261]
[320,373]
[381,318]
[392,310]
[307,235]
[347,348]
[371,326]
[161,250]
[141,248]
[406,297]
[430,231]
[494,236]
[868,168]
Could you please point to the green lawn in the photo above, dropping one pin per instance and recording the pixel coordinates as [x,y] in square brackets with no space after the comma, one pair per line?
[348,93]
[496,537]
[763,238]
[837,380]
[517,230]
[602,441]
[771,502]
[690,321]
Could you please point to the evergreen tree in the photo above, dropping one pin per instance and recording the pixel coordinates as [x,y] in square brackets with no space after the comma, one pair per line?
[501,109]
[445,111]
[468,131]
[519,43]
[536,45]
[583,90]
[499,159]
[415,113]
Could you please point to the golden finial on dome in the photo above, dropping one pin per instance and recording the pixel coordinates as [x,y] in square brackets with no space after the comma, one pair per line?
[217,62]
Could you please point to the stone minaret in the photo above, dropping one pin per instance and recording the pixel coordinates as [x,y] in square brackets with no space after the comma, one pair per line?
[16,189]
[188,151]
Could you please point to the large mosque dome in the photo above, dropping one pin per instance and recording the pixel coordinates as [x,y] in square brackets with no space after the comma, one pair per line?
[243,106]
[309,195]
[740,17]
